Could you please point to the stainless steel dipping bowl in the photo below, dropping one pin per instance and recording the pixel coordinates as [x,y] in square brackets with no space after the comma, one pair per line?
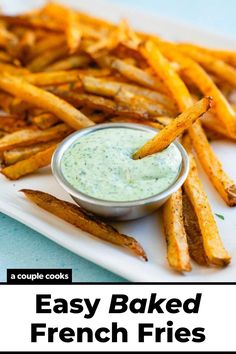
[110,209]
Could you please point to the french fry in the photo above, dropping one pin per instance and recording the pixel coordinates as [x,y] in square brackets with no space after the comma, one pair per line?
[52,78]
[42,61]
[174,129]
[45,100]
[45,120]
[11,69]
[107,105]
[167,74]
[83,220]
[31,136]
[226,55]
[11,124]
[212,166]
[107,88]
[5,57]
[210,122]
[139,103]
[193,232]
[29,165]
[32,22]
[176,238]
[73,31]
[137,75]
[72,62]
[213,246]
[27,42]
[212,64]
[205,84]
[46,44]
[14,155]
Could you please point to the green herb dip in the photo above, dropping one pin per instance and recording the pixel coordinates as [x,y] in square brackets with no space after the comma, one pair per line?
[100,165]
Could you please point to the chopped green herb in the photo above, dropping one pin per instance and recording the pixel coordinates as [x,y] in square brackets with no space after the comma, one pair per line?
[220,216]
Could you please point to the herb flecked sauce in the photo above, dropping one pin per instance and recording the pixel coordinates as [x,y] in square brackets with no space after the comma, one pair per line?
[100,165]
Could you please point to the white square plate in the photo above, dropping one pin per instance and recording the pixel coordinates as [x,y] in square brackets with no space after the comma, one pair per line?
[147,230]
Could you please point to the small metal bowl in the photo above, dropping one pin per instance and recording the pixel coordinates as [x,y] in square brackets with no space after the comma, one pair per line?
[110,209]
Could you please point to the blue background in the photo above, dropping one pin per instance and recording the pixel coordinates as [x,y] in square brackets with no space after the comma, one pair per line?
[21,247]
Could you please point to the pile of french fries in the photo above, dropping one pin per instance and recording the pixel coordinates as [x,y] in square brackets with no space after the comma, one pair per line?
[63,70]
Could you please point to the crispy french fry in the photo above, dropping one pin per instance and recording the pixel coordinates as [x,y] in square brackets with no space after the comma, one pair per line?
[5,57]
[42,61]
[11,124]
[193,232]
[107,105]
[139,103]
[226,55]
[52,78]
[72,62]
[46,44]
[205,84]
[212,166]
[83,220]
[45,100]
[73,31]
[210,122]
[213,246]
[11,69]
[174,129]
[29,165]
[212,64]
[14,155]
[27,42]
[45,120]
[31,136]
[137,75]
[167,74]
[107,88]
[32,22]
[176,238]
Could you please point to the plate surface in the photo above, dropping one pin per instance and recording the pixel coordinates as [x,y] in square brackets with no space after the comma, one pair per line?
[147,230]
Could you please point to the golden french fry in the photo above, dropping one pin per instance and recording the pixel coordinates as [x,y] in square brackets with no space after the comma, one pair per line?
[210,122]
[205,84]
[45,100]
[52,78]
[139,103]
[167,74]
[176,238]
[212,64]
[174,129]
[11,124]
[137,75]
[136,110]
[46,44]
[193,232]
[83,220]
[226,55]
[31,136]
[29,165]
[72,62]
[107,88]
[212,166]
[73,31]
[14,155]
[42,61]
[45,120]
[213,246]
[11,69]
